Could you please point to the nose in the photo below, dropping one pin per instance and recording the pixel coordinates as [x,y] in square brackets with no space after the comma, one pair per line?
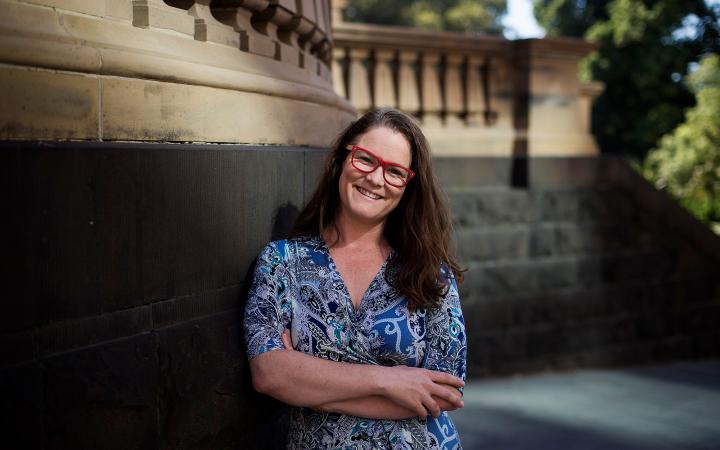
[376,177]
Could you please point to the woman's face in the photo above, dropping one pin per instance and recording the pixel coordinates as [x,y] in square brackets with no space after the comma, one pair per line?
[367,197]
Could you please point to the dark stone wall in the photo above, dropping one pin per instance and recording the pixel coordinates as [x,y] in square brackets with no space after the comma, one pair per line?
[125,266]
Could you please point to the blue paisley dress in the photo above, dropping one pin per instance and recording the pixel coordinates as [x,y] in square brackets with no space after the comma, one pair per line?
[296,286]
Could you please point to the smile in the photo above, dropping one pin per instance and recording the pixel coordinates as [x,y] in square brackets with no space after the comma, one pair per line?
[367,193]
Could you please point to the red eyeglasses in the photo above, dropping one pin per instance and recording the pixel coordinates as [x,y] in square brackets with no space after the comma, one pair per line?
[366,161]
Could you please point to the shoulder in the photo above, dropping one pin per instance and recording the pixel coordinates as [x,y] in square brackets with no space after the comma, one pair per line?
[284,250]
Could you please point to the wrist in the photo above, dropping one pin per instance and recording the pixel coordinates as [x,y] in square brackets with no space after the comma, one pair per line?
[379,377]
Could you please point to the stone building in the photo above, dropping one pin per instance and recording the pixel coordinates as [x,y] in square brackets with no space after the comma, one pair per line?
[150,148]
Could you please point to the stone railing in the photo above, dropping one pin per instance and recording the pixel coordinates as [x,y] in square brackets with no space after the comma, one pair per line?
[475,94]
[172,70]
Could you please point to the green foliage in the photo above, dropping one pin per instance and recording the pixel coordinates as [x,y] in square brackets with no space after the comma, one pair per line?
[687,161]
[569,17]
[454,15]
[641,59]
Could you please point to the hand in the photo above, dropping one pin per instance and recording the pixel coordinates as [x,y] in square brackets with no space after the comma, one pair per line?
[421,390]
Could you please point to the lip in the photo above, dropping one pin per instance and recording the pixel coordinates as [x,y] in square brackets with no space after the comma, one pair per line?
[361,189]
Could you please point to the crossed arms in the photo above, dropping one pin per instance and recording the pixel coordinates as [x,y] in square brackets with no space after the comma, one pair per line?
[362,390]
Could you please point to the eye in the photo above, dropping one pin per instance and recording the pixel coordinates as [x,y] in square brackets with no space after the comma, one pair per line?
[397,172]
[365,158]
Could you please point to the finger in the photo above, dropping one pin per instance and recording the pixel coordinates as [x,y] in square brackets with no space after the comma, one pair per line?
[447,393]
[445,405]
[432,407]
[421,411]
[287,340]
[446,378]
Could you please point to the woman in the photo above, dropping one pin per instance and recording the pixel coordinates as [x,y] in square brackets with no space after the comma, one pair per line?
[356,320]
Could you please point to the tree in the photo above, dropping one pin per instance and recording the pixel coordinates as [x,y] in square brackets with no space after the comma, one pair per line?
[454,15]
[569,17]
[687,161]
[645,49]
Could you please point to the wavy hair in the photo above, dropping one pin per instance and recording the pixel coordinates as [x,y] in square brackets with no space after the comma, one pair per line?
[418,228]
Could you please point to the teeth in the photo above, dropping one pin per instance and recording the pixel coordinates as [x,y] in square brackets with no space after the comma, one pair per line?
[368,194]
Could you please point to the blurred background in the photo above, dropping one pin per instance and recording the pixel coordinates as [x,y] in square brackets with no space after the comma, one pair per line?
[657,60]
[151,148]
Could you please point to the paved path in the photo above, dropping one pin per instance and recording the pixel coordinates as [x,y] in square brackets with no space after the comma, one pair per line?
[675,406]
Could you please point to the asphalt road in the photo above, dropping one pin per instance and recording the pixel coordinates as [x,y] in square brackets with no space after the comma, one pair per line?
[674,406]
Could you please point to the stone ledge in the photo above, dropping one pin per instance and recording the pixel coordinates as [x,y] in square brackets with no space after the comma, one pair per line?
[46,104]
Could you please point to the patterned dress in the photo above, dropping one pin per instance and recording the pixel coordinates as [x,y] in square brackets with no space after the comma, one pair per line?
[296,286]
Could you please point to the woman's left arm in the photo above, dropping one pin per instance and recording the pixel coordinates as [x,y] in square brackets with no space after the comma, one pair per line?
[445,334]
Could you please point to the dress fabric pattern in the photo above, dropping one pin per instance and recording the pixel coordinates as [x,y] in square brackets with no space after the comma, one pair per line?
[296,286]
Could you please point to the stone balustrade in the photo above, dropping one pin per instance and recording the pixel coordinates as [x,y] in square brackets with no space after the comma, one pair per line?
[475,94]
[172,70]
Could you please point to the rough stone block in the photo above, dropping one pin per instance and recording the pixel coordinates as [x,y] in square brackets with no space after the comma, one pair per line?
[22,406]
[48,105]
[103,396]
[314,165]
[207,399]
[483,244]
[491,206]
[206,214]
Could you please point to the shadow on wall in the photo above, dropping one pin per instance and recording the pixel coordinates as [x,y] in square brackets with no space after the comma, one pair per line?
[273,417]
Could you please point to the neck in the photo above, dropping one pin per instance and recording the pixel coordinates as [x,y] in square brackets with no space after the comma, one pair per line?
[353,233]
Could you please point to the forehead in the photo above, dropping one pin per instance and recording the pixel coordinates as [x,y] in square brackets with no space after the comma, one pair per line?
[387,144]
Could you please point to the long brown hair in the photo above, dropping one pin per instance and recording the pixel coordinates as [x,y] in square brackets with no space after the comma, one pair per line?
[418,228]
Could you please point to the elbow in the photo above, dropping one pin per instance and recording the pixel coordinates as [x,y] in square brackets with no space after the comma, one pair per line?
[262,377]
[262,384]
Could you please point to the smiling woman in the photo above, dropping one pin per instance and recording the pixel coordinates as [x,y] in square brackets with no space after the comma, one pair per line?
[356,320]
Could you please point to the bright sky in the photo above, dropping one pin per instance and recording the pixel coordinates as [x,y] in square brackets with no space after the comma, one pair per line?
[520,22]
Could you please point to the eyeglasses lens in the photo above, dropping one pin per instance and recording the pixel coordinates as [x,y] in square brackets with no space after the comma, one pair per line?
[394,175]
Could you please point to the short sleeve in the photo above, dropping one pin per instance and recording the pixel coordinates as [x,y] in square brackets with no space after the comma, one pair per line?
[445,334]
[268,311]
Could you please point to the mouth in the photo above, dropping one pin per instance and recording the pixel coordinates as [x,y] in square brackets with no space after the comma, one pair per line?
[367,193]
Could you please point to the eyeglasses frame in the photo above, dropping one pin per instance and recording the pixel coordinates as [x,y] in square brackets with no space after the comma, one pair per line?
[381,163]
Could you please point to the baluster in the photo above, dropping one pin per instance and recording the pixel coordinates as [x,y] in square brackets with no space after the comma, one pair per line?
[453,91]
[475,100]
[408,95]
[239,18]
[431,97]
[157,14]
[500,88]
[359,86]
[338,70]
[384,79]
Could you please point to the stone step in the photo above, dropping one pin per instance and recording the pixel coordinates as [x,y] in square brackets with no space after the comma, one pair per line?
[501,279]
[547,239]
[487,206]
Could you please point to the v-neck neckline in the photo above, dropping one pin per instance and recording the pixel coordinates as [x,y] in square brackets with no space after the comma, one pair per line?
[336,271]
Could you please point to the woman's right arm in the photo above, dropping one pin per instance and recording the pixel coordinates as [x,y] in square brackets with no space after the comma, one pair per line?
[304,380]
